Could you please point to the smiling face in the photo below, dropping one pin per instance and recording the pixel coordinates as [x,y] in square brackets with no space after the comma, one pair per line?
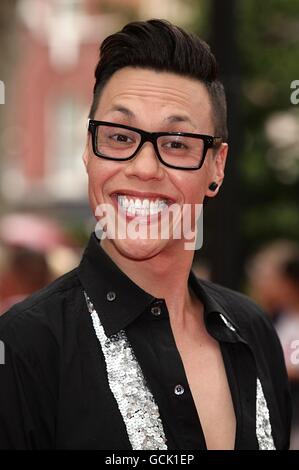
[155,102]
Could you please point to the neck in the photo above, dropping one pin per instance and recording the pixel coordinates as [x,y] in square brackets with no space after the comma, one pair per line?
[164,276]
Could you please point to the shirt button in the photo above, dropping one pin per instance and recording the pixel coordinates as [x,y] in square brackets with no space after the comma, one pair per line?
[111,296]
[156,311]
[179,390]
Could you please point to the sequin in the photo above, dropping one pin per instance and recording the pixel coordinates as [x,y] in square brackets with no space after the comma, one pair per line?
[127,383]
[263,425]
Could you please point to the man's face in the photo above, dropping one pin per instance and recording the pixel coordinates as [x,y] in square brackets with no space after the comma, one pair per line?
[155,102]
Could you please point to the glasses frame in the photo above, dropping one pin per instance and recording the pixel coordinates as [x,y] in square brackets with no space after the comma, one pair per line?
[209,142]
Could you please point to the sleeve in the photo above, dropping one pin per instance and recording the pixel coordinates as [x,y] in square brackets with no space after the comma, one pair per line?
[27,410]
[16,421]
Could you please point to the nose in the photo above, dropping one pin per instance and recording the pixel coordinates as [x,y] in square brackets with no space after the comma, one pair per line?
[145,165]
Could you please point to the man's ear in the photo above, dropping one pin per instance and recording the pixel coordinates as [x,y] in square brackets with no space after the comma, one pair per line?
[85,156]
[218,166]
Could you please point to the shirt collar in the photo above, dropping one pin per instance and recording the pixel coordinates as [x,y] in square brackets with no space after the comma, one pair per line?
[119,301]
[217,320]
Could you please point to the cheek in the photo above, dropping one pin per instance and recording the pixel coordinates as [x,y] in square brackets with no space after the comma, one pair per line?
[100,172]
[192,186]
[99,175]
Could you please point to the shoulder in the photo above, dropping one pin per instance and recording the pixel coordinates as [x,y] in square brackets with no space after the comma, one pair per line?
[248,317]
[240,307]
[37,322]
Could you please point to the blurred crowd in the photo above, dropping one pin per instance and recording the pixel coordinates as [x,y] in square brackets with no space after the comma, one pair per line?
[34,250]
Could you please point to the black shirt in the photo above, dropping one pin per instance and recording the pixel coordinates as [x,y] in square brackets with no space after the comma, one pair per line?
[55,390]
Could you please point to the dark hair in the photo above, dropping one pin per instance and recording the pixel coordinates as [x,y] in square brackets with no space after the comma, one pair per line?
[161,46]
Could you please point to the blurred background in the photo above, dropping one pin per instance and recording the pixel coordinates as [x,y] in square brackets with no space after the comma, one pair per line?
[49,49]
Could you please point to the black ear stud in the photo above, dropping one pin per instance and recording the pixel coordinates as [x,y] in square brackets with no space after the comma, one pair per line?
[213,186]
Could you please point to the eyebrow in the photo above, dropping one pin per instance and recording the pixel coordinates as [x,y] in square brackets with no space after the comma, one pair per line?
[124,110]
[179,118]
[172,119]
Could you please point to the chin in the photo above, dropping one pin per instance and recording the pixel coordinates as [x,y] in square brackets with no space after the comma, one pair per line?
[139,249]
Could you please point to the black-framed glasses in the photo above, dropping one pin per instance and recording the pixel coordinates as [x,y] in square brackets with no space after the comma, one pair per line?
[180,150]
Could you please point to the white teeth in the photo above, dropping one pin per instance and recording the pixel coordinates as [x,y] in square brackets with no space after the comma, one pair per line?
[153,207]
[131,209]
[142,207]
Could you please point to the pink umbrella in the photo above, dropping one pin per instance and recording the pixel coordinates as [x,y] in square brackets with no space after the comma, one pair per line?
[32,231]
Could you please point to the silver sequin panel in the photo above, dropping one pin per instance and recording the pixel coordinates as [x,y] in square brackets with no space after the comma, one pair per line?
[263,425]
[127,383]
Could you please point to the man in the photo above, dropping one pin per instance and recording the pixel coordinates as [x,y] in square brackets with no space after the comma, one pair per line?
[130,350]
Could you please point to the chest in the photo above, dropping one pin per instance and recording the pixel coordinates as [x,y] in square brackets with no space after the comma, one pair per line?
[207,379]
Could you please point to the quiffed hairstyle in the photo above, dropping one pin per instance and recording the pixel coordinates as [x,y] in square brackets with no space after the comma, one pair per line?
[159,45]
